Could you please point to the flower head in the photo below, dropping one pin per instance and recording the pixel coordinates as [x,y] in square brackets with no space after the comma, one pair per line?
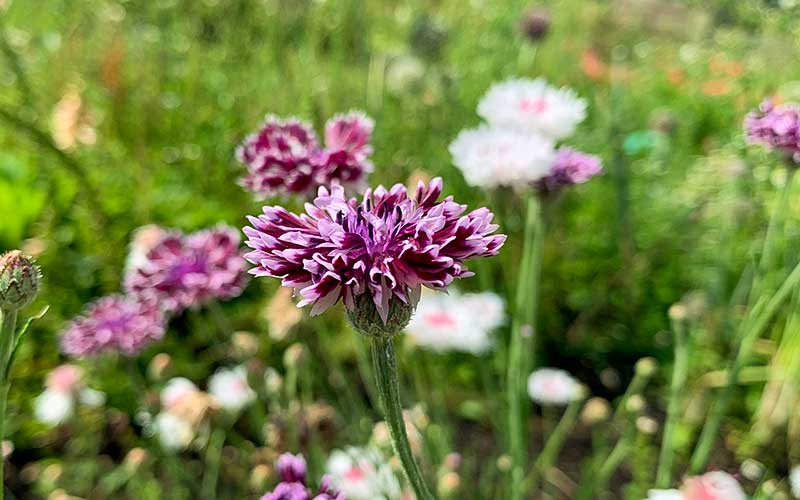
[664,495]
[113,324]
[19,280]
[549,386]
[794,480]
[535,23]
[494,156]
[64,388]
[456,322]
[775,127]
[533,106]
[230,388]
[363,474]
[378,252]
[53,407]
[716,485]
[174,433]
[183,271]
[569,168]
[284,157]
[176,390]
[292,471]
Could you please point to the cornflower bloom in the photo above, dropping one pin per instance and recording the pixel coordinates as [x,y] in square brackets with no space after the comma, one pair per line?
[776,127]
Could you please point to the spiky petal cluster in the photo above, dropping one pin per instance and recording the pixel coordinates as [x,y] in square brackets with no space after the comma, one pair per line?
[183,271]
[388,245]
[532,106]
[113,324]
[19,280]
[284,156]
[292,471]
[776,127]
[490,157]
[569,168]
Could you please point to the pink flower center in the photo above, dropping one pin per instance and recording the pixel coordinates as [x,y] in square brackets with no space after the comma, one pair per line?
[535,105]
[354,474]
[440,319]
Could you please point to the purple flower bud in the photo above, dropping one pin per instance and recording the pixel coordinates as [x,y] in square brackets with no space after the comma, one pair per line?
[570,167]
[535,24]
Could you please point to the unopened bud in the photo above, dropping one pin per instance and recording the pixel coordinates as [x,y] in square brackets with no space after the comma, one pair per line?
[635,404]
[596,411]
[646,367]
[449,484]
[677,312]
[504,463]
[273,381]
[294,355]
[259,477]
[535,24]
[19,280]
[159,367]
[366,320]
[245,345]
[646,425]
[136,458]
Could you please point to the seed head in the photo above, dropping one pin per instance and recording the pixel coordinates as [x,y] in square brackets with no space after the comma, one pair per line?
[19,280]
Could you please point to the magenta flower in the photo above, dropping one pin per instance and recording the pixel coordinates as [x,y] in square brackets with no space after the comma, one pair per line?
[387,246]
[113,324]
[183,271]
[775,127]
[292,471]
[569,168]
[284,157]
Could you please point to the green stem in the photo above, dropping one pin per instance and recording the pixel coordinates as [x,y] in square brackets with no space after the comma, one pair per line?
[213,455]
[522,333]
[615,458]
[679,372]
[8,325]
[709,433]
[383,357]
[775,225]
[547,458]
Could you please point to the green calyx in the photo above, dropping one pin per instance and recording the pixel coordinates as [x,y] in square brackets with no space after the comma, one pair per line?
[19,280]
[367,321]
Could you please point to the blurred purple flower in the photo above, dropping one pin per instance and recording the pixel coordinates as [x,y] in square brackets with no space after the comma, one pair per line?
[184,271]
[292,470]
[389,245]
[113,324]
[569,168]
[284,157]
[775,127]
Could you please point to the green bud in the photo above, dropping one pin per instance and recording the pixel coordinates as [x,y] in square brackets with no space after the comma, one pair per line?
[366,320]
[19,280]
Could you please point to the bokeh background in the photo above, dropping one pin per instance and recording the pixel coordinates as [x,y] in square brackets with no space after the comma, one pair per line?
[116,114]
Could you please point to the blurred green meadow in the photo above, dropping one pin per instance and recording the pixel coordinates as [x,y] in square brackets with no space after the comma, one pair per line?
[118,114]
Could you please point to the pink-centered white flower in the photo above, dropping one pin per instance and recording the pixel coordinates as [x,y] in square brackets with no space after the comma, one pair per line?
[456,322]
[176,390]
[64,389]
[492,156]
[230,388]
[533,106]
[550,386]
[363,474]
[716,485]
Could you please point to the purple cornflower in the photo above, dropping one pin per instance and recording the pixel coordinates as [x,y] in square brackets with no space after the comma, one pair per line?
[569,168]
[388,245]
[284,156]
[183,271]
[113,324]
[775,127]
[292,471]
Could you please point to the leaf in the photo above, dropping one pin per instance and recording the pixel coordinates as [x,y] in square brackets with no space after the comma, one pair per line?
[20,336]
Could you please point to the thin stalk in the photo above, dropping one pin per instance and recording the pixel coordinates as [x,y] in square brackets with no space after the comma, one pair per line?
[547,458]
[522,332]
[383,357]
[638,383]
[679,372]
[775,225]
[709,433]
[615,458]
[8,325]
[213,457]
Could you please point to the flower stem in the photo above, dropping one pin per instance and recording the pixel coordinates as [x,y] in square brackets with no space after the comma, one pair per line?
[7,333]
[708,435]
[679,371]
[521,342]
[389,390]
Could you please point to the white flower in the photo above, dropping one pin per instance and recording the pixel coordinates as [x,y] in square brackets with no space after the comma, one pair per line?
[533,106]
[456,322]
[363,474]
[491,156]
[549,386]
[7,448]
[229,387]
[664,495]
[92,397]
[716,485]
[174,433]
[54,407]
[794,480]
[175,390]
